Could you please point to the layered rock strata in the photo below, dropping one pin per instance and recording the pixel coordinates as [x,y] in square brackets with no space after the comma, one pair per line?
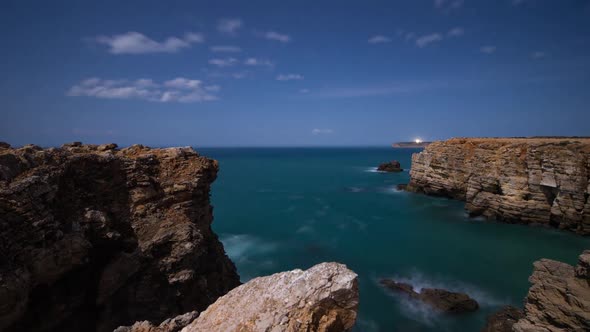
[559,298]
[521,180]
[92,237]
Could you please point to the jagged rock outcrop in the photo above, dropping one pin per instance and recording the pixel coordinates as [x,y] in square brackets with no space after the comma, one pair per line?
[559,298]
[92,237]
[522,180]
[439,299]
[323,298]
[503,320]
[169,325]
[391,166]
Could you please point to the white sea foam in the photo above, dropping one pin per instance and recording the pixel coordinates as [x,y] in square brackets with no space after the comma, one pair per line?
[241,247]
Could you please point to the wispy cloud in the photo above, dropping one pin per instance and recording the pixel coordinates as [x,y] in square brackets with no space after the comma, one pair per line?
[136,43]
[319,131]
[304,91]
[180,89]
[538,55]
[379,39]
[227,62]
[273,35]
[488,49]
[456,32]
[428,39]
[289,77]
[258,62]
[225,49]
[229,26]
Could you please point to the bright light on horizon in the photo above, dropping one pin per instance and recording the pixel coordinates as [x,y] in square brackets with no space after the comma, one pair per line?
[418,141]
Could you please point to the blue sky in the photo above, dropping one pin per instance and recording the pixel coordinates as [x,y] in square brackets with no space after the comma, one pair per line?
[291,73]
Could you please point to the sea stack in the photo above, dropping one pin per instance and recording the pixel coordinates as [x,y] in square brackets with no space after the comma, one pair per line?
[520,180]
[392,166]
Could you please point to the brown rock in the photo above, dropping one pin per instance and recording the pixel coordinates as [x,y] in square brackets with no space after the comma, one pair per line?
[91,240]
[503,320]
[107,147]
[4,145]
[323,298]
[392,166]
[558,300]
[439,299]
[531,181]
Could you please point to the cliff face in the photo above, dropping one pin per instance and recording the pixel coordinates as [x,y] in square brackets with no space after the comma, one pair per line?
[92,237]
[541,181]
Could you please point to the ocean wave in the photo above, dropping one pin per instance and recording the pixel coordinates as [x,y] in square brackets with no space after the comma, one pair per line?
[241,247]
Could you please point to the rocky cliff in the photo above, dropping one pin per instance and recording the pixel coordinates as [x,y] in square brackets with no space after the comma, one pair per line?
[520,180]
[324,299]
[558,300]
[92,237]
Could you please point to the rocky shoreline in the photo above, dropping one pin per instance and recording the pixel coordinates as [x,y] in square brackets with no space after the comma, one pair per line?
[543,181]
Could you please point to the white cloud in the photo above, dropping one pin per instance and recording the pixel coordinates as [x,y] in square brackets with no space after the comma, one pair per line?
[136,43]
[428,39]
[538,55]
[456,32]
[227,62]
[289,77]
[258,62]
[225,49]
[273,35]
[318,131]
[229,26]
[379,39]
[488,49]
[180,89]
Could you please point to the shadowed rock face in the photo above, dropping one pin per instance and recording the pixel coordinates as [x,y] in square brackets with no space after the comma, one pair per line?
[92,237]
[323,298]
[439,299]
[390,166]
[531,181]
[503,320]
[559,298]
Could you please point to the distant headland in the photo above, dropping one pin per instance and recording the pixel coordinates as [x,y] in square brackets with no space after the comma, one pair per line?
[419,144]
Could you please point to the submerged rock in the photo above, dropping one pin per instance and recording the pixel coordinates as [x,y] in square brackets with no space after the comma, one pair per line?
[439,299]
[559,298]
[323,298]
[392,166]
[92,238]
[503,320]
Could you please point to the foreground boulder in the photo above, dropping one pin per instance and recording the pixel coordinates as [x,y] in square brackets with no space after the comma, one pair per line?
[323,298]
[519,180]
[559,298]
[439,299]
[392,166]
[92,237]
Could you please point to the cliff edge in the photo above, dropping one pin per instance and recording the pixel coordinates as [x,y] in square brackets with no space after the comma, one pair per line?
[92,237]
[520,180]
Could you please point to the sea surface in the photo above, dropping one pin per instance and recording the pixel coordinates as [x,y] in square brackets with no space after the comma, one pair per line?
[278,209]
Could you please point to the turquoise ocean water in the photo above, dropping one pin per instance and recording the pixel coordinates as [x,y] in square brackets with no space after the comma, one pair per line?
[278,209]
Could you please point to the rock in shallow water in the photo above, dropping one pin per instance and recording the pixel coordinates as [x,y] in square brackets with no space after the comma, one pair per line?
[322,298]
[392,166]
[439,299]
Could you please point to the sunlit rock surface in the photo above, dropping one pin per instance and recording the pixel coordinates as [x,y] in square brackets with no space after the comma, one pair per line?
[522,180]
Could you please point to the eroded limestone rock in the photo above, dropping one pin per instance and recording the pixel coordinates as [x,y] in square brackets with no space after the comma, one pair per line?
[92,237]
[323,298]
[531,181]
